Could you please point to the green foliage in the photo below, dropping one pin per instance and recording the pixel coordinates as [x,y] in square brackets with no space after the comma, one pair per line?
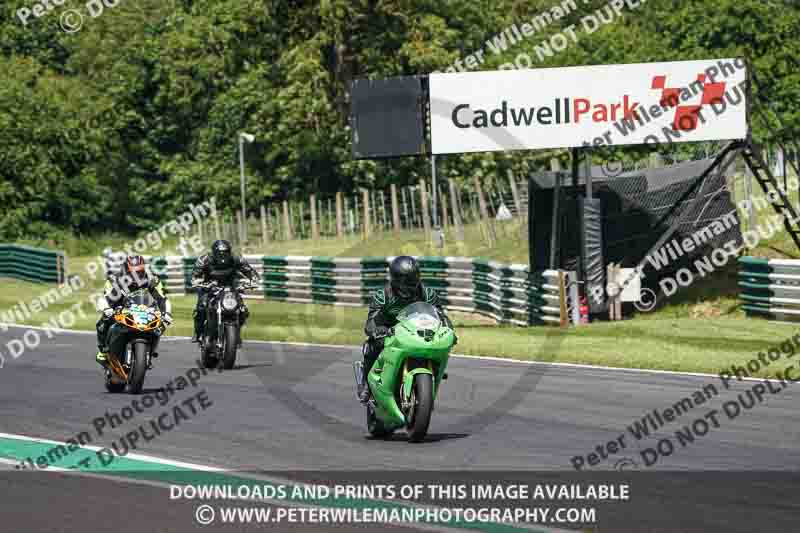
[120,125]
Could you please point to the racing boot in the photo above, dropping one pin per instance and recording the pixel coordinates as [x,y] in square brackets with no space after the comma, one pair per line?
[198,327]
[362,388]
[102,358]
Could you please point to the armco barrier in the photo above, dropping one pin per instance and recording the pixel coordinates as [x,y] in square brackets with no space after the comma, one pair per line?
[32,264]
[507,293]
[770,287]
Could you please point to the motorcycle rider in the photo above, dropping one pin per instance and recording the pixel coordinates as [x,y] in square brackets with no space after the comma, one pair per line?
[404,288]
[224,268]
[133,276]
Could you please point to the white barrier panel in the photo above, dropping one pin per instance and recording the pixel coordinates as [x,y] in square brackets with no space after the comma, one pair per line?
[643,103]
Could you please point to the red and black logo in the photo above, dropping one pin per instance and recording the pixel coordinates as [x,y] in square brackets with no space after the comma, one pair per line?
[686,116]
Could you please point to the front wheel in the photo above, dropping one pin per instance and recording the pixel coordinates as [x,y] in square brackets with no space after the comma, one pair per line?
[207,356]
[138,367]
[112,385]
[231,343]
[421,407]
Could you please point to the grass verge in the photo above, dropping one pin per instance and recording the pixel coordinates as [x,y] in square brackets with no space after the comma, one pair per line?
[661,342]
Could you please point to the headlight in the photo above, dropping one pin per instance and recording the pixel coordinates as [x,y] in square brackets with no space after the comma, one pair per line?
[229,302]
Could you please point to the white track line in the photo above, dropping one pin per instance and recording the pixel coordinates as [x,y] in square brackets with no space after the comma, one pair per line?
[140,457]
[168,486]
[247,475]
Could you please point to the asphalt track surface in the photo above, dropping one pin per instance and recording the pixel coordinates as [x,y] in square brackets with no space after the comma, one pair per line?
[291,409]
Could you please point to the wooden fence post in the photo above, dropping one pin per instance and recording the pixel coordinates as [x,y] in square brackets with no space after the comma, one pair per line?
[302,233]
[456,215]
[484,211]
[287,223]
[264,232]
[339,220]
[426,221]
[314,227]
[395,210]
[443,200]
[329,217]
[409,222]
[357,223]
[373,215]
[367,222]
[383,210]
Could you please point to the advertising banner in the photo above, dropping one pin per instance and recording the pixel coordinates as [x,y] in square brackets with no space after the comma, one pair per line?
[603,105]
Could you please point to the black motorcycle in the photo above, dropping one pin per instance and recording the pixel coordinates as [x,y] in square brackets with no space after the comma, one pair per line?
[222,331]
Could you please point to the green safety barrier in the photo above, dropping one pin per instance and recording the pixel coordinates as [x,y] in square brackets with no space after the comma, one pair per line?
[32,264]
[770,288]
[507,293]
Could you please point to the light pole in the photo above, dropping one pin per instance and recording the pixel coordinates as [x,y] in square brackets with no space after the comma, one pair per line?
[243,137]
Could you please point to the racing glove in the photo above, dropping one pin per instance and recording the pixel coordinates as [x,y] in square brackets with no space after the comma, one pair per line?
[382,331]
[108,312]
[167,319]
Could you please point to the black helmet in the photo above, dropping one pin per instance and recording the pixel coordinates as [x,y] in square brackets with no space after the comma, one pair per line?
[221,253]
[404,274]
[135,266]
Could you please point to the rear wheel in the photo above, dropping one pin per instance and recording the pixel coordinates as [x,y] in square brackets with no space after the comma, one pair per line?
[138,367]
[421,407]
[231,343]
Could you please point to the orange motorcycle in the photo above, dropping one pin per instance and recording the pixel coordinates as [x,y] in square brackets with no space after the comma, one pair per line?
[132,339]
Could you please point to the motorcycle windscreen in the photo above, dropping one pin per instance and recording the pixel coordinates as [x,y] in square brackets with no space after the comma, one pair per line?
[141,306]
[142,297]
[421,315]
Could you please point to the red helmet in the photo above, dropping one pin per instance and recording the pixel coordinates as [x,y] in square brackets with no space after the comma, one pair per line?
[134,265]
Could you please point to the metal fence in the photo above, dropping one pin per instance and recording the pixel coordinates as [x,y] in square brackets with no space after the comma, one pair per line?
[506,293]
[32,264]
[770,287]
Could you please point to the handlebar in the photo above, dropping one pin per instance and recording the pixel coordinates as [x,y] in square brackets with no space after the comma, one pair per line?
[389,333]
[214,285]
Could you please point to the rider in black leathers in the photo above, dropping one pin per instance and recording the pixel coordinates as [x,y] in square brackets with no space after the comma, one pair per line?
[224,268]
[404,288]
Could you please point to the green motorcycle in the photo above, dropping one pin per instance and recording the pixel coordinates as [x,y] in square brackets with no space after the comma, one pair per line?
[406,376]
